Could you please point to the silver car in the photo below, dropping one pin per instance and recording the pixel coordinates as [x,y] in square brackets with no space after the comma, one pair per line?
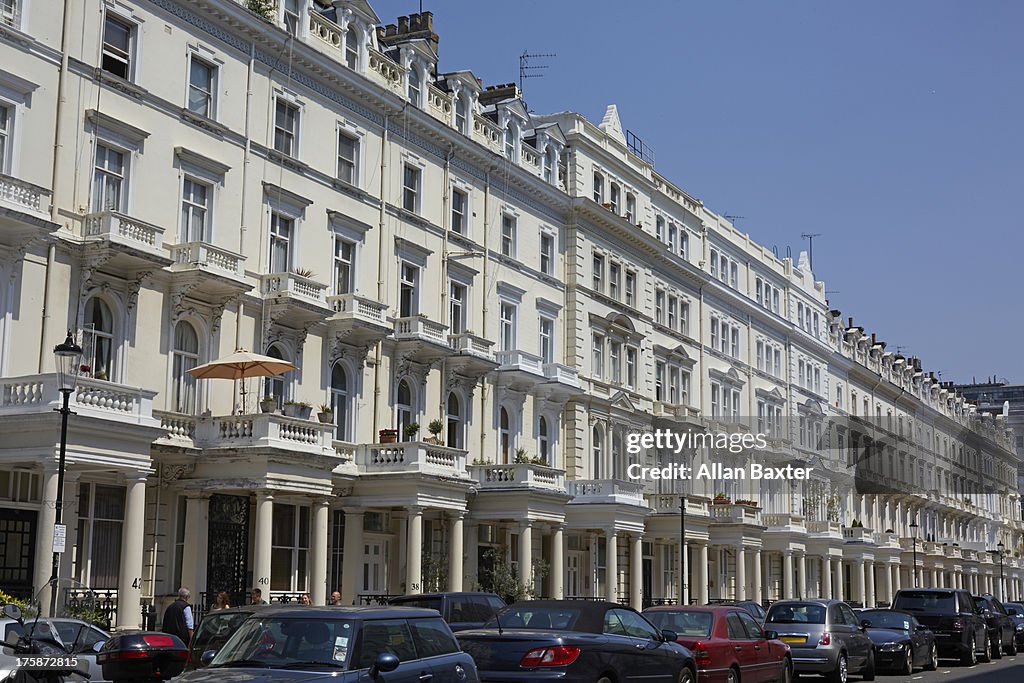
[89,638]
[825,637]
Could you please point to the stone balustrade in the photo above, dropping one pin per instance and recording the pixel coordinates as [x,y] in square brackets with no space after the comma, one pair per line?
[411,456]
[293,285]
[519,476]
[208,256]
[121,228]
[23,196]
[92,397]
[606,491]
[419,327]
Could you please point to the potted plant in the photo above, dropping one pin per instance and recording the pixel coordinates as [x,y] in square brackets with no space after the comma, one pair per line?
[411,430]
[100,374]
[326,414]
[268,404]
[522,457]
[299,409]
[720,499]
[304,272]
[435,428]
[387,435]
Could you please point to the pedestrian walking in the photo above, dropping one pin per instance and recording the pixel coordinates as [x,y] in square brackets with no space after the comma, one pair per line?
[178,617]
[256,597]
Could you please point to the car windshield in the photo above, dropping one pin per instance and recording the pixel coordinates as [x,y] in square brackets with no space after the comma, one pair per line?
[683,622]
[926,601]
[215,629]
[886,619]
[1015,609]
[546,618]
[283,642]
[796,614]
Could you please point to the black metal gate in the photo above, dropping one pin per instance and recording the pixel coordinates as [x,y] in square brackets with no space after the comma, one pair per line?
[17,551]
[227,563]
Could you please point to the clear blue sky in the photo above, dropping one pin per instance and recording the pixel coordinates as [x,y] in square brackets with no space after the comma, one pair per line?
[894,129]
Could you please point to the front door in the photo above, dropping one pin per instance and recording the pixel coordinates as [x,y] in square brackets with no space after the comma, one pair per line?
[227,564]
[375,562]
[17,547]
[574,573]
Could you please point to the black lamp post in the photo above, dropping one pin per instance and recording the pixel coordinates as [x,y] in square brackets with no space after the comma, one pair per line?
[1000,547]
[67,357]
[913,530]
[682,550]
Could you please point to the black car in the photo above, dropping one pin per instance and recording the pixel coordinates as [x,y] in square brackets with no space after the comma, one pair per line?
[461,610]
[1001,629]
[215,629]
[901,642]
[576,641]
[959,627]
[340,644]
[1015,610]
[753,608]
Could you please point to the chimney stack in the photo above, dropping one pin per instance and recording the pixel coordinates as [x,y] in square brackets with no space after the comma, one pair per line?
[403,25]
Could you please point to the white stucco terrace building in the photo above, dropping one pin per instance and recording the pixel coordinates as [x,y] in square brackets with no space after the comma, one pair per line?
[179,179]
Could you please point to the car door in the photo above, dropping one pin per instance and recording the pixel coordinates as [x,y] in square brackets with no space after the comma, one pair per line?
[971,614]
[436,647]
[858,642]
[395,636]
[743,648]
[82,639]
[769,658]
[654,662]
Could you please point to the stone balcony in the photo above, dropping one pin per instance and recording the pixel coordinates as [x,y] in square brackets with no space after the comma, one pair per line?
[93,398]
[858,534]
[358,320]
[411,457]
[24,211]
[421,339]
[668,504]
[259,430]
[887,539]
[825,529]
[951,551]
[207,271]
[520,370]
[732,513]
[606,491]
[294,300]
[122,243]
[519,477]
[471,355]
[784,522]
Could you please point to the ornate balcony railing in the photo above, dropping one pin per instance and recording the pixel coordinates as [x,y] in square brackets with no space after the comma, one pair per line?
[261,430]
[94,397]
[831,528]
[295,286]
[24,196]
[519,360]
[784,521]
[858,534]
[519,476]
[359,307]
[411,456]
[735,514]
[606,491]
[209,256]
[118,227]
[418,327]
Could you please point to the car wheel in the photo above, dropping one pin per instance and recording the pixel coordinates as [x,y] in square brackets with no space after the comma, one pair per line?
[686,676]
[1011,649]
[996,647]
[733,676]
[908,666]
[840,673]
[986,652]
[933,659]
[787,672]
[970,656]
[604,679]
[869,668]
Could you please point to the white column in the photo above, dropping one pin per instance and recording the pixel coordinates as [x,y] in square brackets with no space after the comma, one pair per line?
[318,553]
[612,566]
[741,573]
[471,568]
[44,539]
[886,590]
[558,562]
[869,597]
[526,553]
[197,532]
[636,572]
[838,587]
[702,573]
[859,594]
[263,541]
[826,577]
[414,561]
[802,578]
[133,539]
[787,574]
[456,553]
[757,597]
[895,568]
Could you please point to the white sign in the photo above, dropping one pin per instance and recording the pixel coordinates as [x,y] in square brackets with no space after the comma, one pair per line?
[60,537]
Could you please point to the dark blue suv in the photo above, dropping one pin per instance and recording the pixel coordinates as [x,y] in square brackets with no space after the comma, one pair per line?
[342,644]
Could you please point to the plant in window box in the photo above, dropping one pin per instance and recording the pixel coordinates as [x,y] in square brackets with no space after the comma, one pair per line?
[387,436]
[100,374]
[522,457]
[435,428]
[268,404]
[304,272]
[411,430]
[481,461]
[326,414]
[299,409]
[721,499]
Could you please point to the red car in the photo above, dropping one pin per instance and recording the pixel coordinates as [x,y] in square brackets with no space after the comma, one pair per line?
[728,645]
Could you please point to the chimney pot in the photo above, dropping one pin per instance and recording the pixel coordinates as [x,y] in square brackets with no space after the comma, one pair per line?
[403,25]
[851,321]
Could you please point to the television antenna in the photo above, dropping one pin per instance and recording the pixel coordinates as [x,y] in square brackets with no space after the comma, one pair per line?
[526,69]
[809,236]
[732,219]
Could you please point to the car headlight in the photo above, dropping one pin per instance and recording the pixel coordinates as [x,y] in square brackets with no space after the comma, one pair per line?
[891,647]
[1020,627]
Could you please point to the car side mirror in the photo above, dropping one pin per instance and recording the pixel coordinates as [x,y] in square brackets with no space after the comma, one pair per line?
[12,612]
[865,623]
[12,639]
[384,663]
[669,636]
[207,657]
[98,645]
[771,635]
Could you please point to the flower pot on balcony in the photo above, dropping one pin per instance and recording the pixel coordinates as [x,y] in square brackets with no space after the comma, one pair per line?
[298,410]
[268,405]
[325,417]
[388,436]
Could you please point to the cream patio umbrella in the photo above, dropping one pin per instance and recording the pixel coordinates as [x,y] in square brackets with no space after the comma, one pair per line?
[240,365]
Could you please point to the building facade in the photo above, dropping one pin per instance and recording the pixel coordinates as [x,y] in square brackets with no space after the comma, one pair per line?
[487,303]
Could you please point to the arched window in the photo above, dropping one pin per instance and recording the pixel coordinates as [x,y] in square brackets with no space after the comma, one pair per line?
[98,339]
[352,48]
[544,441]
[456,437]
[403,408]
[185,357]
[597,444]
[505,436]
[275,386]
[341,398]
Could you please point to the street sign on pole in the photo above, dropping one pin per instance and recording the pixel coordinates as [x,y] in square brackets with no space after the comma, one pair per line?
[60,537]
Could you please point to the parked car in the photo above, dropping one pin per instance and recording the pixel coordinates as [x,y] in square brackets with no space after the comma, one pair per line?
[1015,610]
[1001,630]
[754,608]
[82,639]
[901,642]
[215,629]
[142,657]
[461,610]
[727,643]
[576,641]
[950,614]
[825,637]
[340,644]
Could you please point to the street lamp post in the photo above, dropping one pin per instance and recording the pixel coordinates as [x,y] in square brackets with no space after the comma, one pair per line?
[1000,547]
[913,530]
[682,550]
[67,357]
